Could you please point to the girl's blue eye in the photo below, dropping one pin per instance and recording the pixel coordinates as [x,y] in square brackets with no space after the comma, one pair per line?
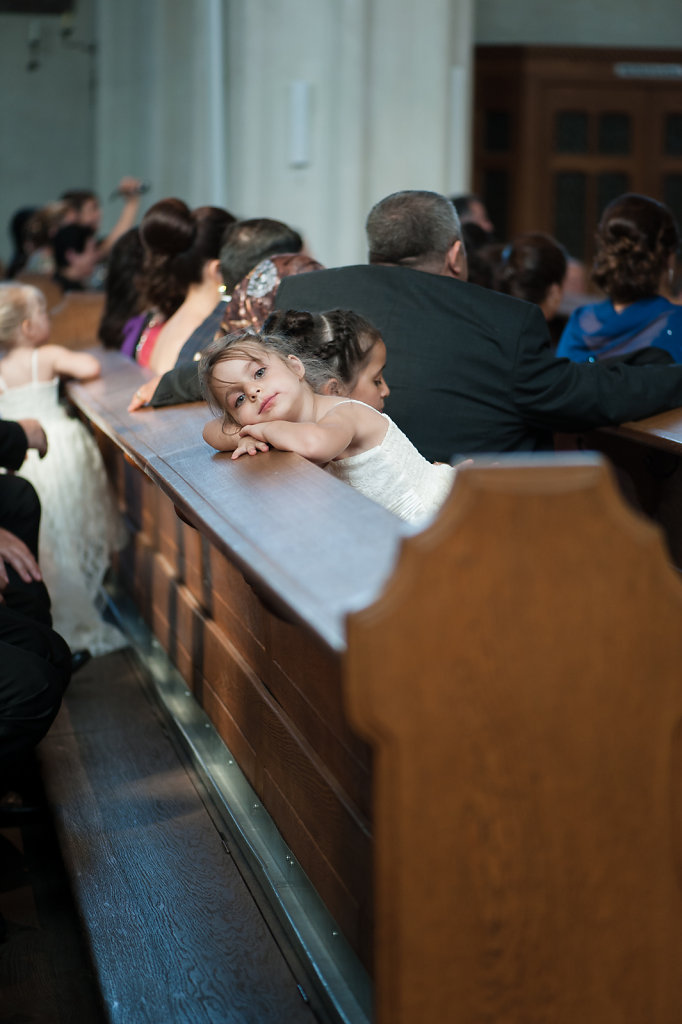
[238,401]
[260,372]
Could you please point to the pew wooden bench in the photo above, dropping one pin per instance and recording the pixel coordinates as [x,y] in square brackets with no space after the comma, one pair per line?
[468,736]
[647,456]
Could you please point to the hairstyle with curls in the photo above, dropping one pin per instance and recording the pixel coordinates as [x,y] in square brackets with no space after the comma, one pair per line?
[250,344]
[122,299]
[247,242]
[340,338]
[529,265]
[635,238]
[412,229]
[45,222]
[177,243]
[17,303]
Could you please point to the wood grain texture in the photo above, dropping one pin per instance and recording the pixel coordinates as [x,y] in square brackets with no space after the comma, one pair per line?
[528,854]
[272,516]
[250,609]
[174,932]
[51,290]
[75,319]
[647,459]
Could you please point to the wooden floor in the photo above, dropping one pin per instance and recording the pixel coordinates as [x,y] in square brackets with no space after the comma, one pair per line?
[45,972]
[160,837]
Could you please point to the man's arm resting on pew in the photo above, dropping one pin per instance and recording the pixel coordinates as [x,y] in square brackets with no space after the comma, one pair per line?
[181,384]
[559,395]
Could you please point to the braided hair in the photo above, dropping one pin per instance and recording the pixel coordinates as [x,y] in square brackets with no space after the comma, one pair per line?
[339,338]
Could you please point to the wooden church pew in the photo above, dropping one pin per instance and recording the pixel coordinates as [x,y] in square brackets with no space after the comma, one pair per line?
[482,716]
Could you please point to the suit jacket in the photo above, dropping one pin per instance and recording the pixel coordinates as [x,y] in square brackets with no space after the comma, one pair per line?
[471,370]
[13,444]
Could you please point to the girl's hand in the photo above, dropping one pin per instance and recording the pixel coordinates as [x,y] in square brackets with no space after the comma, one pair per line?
[249,443]
[250,447]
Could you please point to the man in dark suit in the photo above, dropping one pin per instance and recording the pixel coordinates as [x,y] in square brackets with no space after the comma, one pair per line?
[470,370]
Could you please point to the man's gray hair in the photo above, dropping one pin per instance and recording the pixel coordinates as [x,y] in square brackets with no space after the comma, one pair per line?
[412,229]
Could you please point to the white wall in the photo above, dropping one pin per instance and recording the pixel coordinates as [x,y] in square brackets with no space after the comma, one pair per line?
[46,115]
[580,22]
[161,97]
[197,98]
[385,109]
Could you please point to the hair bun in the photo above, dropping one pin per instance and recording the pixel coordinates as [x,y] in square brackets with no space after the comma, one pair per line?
[294,323]
[168,227]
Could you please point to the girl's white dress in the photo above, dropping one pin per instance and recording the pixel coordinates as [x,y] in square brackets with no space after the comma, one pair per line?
[80,524]
[394,474]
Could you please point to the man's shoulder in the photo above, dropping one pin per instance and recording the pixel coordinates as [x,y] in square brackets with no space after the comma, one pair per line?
[383,293]
[402,279]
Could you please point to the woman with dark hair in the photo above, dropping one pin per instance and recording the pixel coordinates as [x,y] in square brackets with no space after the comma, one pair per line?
[122,303]
[533,267]
[21,248]
[637,240]
[180,278]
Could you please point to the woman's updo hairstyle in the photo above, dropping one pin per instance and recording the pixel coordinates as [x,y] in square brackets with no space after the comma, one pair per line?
[177,243]
[529,266]
[635,238]
[340,338]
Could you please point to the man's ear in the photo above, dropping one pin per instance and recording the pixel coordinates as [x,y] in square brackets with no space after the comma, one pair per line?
[331,387]
[296,365]
[456,261]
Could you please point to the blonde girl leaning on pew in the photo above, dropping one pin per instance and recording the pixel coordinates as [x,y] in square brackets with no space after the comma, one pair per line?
[80,524]
[270,390]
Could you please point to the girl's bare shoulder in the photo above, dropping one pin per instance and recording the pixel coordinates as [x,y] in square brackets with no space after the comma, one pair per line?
[368,424]
[349,407]
[15,365]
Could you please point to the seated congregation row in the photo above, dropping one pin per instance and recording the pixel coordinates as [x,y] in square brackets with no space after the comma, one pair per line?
[291,356]
[56,538]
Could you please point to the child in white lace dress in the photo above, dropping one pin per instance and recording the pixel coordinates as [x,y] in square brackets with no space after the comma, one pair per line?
[80,523]
[313,384]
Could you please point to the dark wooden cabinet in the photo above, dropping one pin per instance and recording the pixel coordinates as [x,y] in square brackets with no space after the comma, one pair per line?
[560,132]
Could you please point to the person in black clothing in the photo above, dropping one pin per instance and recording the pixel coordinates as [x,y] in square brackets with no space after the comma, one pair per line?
[35,662]
[470,370]
[75,255]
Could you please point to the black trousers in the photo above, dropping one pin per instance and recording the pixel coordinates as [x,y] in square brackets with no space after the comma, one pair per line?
[20,514]
[35,662]
[35,669]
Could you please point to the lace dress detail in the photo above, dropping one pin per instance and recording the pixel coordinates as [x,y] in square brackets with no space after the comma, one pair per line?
[394,474]
[80,524]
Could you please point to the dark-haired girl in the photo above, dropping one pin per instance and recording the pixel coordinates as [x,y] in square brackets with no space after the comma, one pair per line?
[637,240]
[533,267]
[287,391]
[181,278]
